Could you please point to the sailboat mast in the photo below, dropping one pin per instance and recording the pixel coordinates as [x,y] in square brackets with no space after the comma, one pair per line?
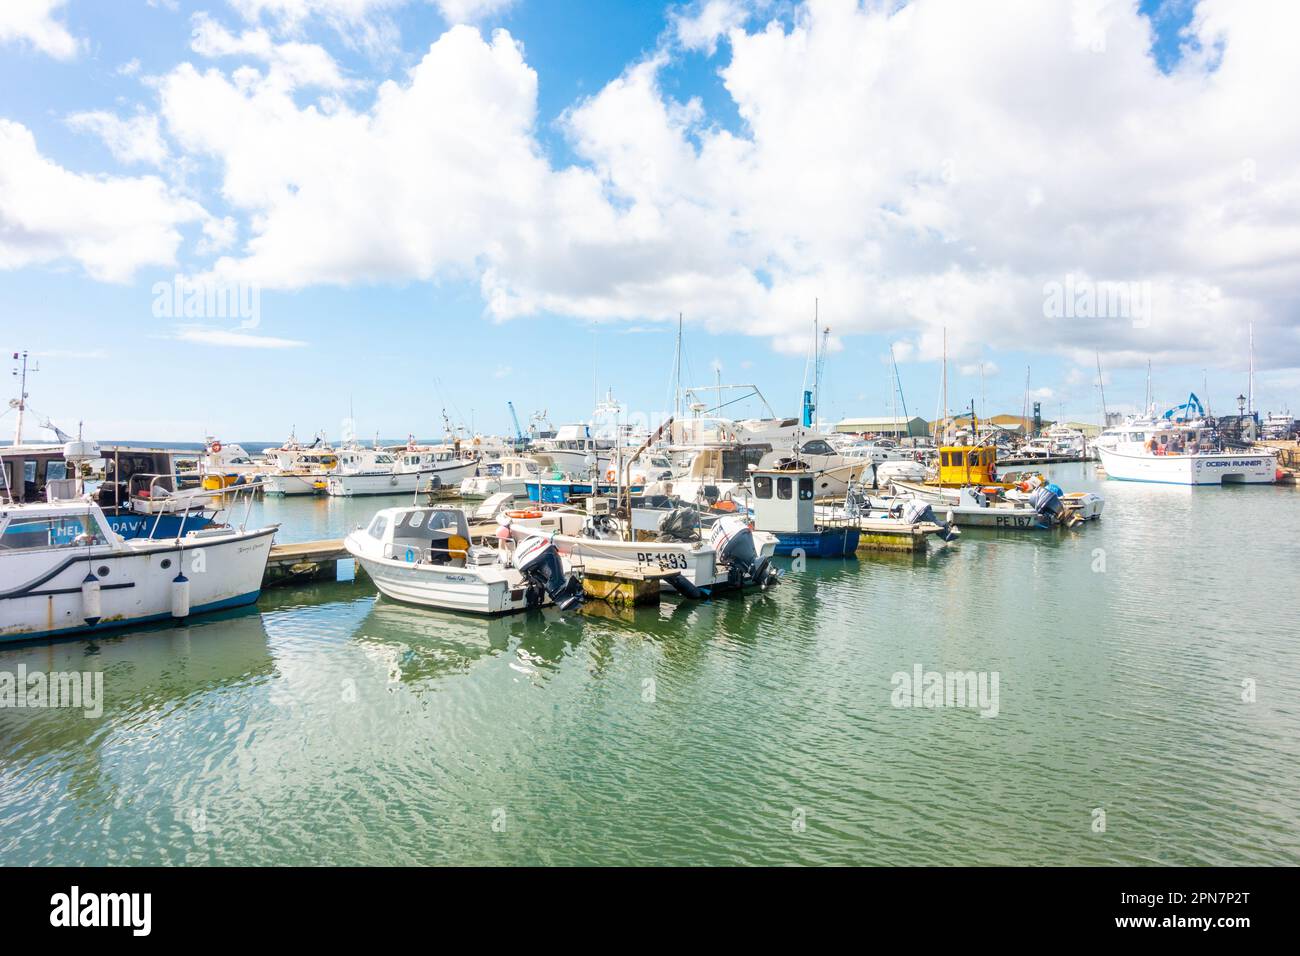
[1250,385]
[677,372]
[945,382]
[1101,385]
[816,359]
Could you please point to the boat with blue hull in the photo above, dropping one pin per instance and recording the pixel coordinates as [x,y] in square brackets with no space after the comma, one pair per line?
[561,491]
[819,543]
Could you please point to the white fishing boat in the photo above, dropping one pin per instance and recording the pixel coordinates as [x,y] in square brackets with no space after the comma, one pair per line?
[297,469]
[423,555]
[65,571]
[576,451]
[375,471]
[509,474]
[831,472]
[1182,450]
[228,460]
[732,555]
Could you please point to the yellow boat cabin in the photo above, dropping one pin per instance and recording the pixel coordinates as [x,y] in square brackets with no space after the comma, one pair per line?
[961,465]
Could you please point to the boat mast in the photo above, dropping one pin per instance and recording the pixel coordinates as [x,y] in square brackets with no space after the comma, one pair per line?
[20,403]
[945,383]
[1101,386]
[1250,385]
[677,372]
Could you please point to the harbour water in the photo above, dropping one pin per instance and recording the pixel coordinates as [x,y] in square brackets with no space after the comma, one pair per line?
[325,725]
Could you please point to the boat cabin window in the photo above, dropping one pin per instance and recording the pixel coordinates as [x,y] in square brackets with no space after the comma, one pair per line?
[57,531]
[378,527]
[493,471]
[957,459]
[784,489]
[763,486]
[817,447]
[805,489]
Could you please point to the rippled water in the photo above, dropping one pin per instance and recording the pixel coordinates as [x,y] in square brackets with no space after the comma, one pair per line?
[328,726]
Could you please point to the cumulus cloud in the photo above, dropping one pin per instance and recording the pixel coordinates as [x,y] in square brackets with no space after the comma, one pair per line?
[699,26]
[290,64]
[133,140]
[34,22]
[111,225]
[927,169]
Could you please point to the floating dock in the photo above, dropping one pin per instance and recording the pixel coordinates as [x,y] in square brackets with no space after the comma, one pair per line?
[620,585]
[305,561]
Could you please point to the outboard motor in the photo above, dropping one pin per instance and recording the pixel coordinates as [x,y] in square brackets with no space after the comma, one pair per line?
[1047,504]
[916,510]
[539,562]
[680,524]
[733,541]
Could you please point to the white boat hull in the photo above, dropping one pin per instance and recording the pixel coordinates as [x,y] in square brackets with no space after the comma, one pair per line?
[396,482]
[696,561]
[295,484]
[486,487]
[470,590]
[41,596]
[1250,468]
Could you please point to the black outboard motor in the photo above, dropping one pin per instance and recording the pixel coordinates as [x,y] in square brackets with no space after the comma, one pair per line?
[1047,504]
[733,541]
[539,562]
[680,524]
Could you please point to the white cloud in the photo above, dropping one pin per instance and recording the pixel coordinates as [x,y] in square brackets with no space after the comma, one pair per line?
[33,21]
[110,225]
[134,140]
[206,335]
[366,24]
[290,65]
[917,167]
[700,26]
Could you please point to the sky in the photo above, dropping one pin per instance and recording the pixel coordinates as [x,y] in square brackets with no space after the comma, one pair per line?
[242,217]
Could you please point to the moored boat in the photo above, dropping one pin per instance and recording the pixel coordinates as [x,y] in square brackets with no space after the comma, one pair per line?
[65,571]
[423,555]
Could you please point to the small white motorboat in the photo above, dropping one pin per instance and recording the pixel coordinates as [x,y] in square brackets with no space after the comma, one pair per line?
[423,555]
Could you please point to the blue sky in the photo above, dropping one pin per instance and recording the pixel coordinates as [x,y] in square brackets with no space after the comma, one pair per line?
[621,88]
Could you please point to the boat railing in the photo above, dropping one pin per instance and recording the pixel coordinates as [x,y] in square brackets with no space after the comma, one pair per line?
[194,500]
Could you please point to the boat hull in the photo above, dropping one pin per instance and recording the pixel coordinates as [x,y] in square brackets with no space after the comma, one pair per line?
[224,571]
[396,482]
[289,485]
[1248,468]
[449,588]
[823,543]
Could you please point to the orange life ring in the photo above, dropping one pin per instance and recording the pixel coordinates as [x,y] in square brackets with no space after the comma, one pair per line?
[610,474]
[216,447]
[523,514]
